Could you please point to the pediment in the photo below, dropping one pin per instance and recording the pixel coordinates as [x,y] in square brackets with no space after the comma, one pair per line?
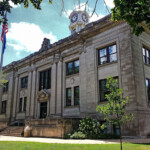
[43,95]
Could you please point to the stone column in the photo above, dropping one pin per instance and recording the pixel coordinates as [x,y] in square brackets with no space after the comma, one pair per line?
[59,88]
[53,89]
[29,94]
[15,96]
[33,91]
[10,97]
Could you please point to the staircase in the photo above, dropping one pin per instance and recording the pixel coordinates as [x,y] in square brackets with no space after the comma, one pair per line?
[12,131]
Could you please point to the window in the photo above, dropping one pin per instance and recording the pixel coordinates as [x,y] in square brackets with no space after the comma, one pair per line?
[107,54]
[22,104]
[103,89]
[25,104]
[76,95]
[4,103]
[68,97]
[24,82]
[45,80]
[72,67]
[146,56]
[5,88]
[148,88]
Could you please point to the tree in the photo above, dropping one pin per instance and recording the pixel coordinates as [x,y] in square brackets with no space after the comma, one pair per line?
[114,110]
[3,81]
[135,12]
[5,6]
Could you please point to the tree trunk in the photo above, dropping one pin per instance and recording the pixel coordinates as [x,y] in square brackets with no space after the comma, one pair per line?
[120,137]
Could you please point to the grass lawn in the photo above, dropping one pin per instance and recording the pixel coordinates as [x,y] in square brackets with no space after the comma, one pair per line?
[46,146]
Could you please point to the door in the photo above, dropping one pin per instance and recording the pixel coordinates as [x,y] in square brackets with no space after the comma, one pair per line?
[43,110]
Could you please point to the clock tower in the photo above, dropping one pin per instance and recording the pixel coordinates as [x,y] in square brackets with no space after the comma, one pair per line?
[78,20]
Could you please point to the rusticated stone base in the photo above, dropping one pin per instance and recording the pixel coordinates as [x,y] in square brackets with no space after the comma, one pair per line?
[56,128]
[3,125]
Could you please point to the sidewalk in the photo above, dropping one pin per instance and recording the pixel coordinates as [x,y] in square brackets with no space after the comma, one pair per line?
[70,141]
[53,140]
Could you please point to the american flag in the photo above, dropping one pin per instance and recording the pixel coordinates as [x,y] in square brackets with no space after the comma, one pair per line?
[4,31]
[3,35]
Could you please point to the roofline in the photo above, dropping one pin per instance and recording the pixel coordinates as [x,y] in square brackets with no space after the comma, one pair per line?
[60,42]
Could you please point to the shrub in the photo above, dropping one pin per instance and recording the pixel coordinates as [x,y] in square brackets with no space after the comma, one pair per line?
[67,136]
[90,127]
[78,135]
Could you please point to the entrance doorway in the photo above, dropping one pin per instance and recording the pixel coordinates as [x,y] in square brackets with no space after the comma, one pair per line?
[43,110]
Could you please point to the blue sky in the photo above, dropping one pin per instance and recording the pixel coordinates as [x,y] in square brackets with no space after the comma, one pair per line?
[27,26]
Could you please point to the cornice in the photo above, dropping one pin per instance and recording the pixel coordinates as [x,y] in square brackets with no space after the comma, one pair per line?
[57,48]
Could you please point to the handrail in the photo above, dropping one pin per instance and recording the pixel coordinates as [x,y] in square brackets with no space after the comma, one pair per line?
[9,125]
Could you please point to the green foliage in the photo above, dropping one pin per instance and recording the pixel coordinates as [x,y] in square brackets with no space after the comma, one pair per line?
[90,127]
[78,135]
[67,136]
[114,110]
[135,12]
[3,81]
[5,6]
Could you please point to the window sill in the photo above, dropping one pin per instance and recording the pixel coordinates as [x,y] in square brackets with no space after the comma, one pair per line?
[69,76]
[74,106]
[110,63]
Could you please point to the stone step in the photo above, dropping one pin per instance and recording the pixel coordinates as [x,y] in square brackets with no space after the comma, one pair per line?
[12,131]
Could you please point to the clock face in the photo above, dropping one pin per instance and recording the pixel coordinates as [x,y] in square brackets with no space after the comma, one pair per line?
[84,17]
[74,18]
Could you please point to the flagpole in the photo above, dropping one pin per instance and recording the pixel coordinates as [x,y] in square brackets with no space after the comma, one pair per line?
[2,54]
[1,64]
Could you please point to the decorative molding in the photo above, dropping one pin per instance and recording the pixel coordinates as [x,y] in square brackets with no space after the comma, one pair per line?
[43,95]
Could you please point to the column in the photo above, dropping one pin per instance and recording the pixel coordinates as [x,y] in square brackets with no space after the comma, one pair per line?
[10,97]
[59,88]
[29,94]
[15,96]
[33,90]
[53,90]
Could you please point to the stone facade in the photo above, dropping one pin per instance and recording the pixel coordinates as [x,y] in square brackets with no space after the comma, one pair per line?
[84,45]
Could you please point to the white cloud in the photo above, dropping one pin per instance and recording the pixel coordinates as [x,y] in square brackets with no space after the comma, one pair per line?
[27,37]
[110,3]
[95,17]
[13,5]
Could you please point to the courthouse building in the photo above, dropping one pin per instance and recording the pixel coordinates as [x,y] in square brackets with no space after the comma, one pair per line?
[66,80]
